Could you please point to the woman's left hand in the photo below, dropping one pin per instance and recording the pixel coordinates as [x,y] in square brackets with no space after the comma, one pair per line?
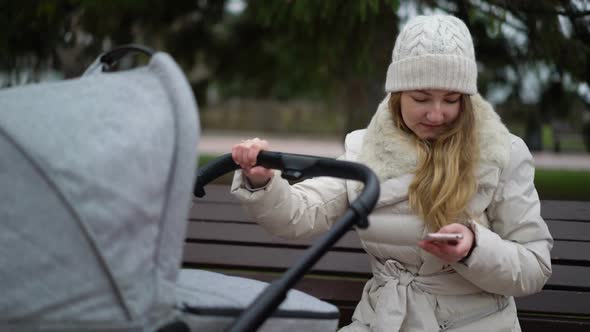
[450,252]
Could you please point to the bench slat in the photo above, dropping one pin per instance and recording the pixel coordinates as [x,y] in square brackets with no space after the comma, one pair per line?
[347,292]
[527,323]
[555,302]
[578,252]
[569,230]
[560,230]
[280,258]
[333,290]
[576,277]
[217,193]
[218,212]
[252,233]
[274,258]
[566,210]
[552,323]
[550,209]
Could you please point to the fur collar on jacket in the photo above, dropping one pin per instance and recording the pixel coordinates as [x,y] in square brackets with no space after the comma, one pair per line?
[389,152]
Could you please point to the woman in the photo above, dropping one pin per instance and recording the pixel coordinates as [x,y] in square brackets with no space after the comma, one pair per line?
[446,164]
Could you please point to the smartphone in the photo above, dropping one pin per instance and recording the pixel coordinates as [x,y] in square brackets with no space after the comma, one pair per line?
[443,237]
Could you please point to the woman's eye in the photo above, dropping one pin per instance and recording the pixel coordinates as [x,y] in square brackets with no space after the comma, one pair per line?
[419,100]
[451,101]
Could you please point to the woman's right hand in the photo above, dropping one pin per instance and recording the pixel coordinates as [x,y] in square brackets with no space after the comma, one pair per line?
[245,154]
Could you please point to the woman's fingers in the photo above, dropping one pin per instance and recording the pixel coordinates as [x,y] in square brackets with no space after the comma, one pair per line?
[450,252]
[245,154]
[245,161]
[463,245]
[252,154]
[435,249]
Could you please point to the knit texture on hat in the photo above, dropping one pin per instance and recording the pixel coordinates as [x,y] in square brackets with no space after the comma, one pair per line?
[433,52]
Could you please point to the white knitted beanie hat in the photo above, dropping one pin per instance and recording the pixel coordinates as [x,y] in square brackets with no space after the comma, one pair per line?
[433,52]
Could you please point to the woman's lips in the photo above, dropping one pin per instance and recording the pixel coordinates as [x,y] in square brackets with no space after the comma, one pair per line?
[431,126]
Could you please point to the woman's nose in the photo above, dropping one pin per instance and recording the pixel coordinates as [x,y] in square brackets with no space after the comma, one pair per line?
[435,115]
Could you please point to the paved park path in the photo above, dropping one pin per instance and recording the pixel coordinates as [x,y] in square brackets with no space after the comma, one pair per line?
[221,142]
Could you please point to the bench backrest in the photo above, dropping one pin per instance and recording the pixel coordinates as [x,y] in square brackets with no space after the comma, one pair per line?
[221,237]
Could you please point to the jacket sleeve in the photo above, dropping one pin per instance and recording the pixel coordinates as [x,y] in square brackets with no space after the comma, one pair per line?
[512,257]
[305,209]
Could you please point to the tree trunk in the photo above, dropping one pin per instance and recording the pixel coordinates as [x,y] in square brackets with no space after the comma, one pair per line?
[356,105]
[533,131]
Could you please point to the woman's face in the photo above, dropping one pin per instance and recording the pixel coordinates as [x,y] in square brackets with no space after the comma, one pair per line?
[429,112]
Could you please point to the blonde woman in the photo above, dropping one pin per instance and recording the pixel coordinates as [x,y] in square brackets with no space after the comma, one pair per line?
[446,164]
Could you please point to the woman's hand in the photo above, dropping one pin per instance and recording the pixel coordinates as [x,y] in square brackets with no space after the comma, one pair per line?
[245,154]
[450,252]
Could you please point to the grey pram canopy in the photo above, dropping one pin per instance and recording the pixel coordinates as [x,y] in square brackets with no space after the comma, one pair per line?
[96,176]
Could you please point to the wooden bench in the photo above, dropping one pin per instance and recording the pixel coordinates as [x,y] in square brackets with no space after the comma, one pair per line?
[222,238]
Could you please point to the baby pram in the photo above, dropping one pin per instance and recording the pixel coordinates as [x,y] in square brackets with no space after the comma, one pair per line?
[96,176]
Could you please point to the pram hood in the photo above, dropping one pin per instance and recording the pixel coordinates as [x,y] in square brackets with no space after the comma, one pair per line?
[95,182]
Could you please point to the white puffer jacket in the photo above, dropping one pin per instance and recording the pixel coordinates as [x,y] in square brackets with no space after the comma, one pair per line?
[412,290]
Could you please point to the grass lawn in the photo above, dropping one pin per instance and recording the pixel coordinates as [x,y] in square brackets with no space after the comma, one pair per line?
[563,184]
[205,158]
[551,184]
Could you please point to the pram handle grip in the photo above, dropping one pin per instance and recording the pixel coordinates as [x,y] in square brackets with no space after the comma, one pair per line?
[298,167]
[113,56]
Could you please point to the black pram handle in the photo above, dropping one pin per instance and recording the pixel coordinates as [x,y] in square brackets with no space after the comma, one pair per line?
[297,167]
[111,57]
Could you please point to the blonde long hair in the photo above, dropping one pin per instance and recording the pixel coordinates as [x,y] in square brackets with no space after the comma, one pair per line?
[444,179]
